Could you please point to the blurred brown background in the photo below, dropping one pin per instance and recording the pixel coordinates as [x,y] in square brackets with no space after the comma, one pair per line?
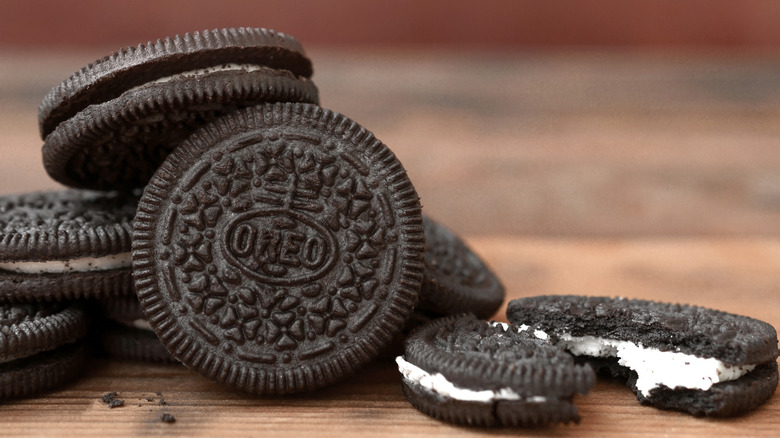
[560,118]
[457,24]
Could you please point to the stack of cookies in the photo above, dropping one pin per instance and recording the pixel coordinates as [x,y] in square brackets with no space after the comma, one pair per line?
[57,249]
[219,217]
[277,246]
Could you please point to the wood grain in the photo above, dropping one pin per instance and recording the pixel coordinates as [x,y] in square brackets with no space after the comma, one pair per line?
[554,144]
[738,275]
[638,175]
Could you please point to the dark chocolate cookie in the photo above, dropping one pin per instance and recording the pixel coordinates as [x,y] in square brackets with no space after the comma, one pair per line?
[65,244]
[127,335]
[456,280]
[278,249]
[135,106]
[688,358]
[133,343]
[27,329]
[39,347]
[467,371]
[110,76]
[41,372]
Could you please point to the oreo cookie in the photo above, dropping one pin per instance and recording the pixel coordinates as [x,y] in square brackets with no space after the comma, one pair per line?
[40,347]
[133,343]
[278,249]
[113,122]
[468,371]
[456,280]
[127,335]
[687,358]
[66,244]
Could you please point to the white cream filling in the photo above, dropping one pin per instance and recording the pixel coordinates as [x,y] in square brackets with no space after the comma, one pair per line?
[655,367]
[206,70]
[521,328]
[141,324]
[113,261]
[439,384]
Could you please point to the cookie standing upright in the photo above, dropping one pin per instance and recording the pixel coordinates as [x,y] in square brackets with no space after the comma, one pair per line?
[687,358]
[278,249]
[113,122]
[68,244]
[467,371]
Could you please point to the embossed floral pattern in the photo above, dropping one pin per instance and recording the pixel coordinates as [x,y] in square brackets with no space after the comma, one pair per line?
[281,213]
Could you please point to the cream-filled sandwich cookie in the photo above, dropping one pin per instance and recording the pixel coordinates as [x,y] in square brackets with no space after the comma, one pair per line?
[681,357]
[67,244]
[112,123]
[468,371]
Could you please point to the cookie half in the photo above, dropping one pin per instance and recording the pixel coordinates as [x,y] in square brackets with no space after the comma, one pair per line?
[467,371]
[65,244]
[278,249]
[135,106]
[456,279]
[687,358]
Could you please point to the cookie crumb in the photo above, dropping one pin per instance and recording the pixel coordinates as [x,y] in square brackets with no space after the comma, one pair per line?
[115,403]
[167,418]
[163,402]
[108,397]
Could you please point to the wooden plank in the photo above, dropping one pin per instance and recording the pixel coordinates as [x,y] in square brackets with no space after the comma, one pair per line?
[738,275]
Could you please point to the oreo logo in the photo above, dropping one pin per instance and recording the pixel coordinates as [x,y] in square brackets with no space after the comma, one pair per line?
[279,247]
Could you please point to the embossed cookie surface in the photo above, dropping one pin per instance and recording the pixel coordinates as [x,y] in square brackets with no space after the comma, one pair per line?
[467,371]
[65,244]
[456,279]
[39,347]
[112,123]
[27,329]
[278,249]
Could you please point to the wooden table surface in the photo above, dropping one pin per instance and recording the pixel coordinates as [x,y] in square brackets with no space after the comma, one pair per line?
[652,175]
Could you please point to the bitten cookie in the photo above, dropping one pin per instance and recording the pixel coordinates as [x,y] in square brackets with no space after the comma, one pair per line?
[278,249]
[66,244]
[687,358]
[467,371]
[111,124]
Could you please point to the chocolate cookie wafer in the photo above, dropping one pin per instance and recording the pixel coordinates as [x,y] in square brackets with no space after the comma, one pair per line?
[687,358]
[127,335]
[467,371]
[40,347]
[66,244]
[278,249]
[456,279]
[113,122]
